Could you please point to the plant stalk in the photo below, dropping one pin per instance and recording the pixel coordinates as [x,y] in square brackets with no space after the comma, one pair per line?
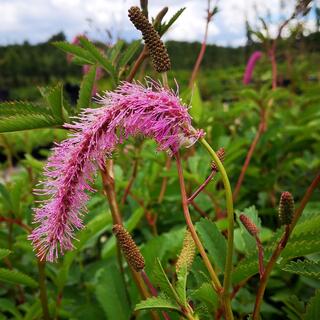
[109,190]
[261,130]
[281,245]
[215,280]
[230,218]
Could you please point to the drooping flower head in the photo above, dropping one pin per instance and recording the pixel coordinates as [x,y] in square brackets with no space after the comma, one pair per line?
[250,66]
[132,109]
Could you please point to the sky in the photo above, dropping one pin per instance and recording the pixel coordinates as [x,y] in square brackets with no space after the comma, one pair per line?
[37,20]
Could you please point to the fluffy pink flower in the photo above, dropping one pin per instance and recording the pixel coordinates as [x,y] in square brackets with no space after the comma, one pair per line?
[131,110]
[250,66]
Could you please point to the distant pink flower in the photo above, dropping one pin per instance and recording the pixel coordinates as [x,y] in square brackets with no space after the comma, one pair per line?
[250,66]
[131,110]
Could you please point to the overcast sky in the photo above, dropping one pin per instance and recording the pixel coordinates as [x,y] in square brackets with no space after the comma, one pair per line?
[37,20]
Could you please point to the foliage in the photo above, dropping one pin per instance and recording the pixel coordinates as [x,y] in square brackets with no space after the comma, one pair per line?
[93,281]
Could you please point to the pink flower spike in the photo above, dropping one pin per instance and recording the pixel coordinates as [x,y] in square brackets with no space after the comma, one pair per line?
[250,66]
[132,109]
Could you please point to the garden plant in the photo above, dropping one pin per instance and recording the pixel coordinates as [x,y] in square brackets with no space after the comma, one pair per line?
[152,197]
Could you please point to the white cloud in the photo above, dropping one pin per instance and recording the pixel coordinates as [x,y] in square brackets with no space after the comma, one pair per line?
[37,20]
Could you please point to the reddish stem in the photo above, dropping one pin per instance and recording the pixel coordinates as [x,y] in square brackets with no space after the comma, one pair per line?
[204,184]
[153,290]
[143,55]
[281,245]
[260,256]
[203,48]
[215,280]
[130,183]
[198,209]
[164,181]
[110,192]
[261,130]
[17,222]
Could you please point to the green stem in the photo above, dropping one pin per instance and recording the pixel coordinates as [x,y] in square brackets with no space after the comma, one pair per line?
[165,80]
[214,278]
[229,204]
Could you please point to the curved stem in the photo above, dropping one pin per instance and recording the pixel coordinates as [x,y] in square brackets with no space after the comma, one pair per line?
[215,280]
[281,245]
[229,205]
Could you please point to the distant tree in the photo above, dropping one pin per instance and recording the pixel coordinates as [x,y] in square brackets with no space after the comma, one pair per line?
[58,37]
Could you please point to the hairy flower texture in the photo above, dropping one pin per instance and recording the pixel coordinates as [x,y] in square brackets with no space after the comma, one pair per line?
[131,110]
[187,253]
[250,66]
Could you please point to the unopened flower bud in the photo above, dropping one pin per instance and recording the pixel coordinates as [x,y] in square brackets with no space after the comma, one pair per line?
[221,155]
[249,225]
[129,248]
[158,52]
[286,208]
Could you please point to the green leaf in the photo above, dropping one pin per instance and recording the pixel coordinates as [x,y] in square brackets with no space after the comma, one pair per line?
[306,268]
[207,295]
[166,26]
[6,198]
[302,245]
[34,311]
[76,50]
[193,98]
[98,56]
[7,306]
[115,51]
[93,229]
[298,246]
[165,246]
[33,163]
[181,285]
[86,87]
[129,53]
[110,293]
[312,224]
[54,96]
[17,277]
[163,282]
[17,116]
[213,241]
[160,302]
[250,94]
[4,253]
[313,307]
[252,213]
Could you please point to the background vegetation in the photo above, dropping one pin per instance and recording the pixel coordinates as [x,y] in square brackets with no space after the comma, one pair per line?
[87,283]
